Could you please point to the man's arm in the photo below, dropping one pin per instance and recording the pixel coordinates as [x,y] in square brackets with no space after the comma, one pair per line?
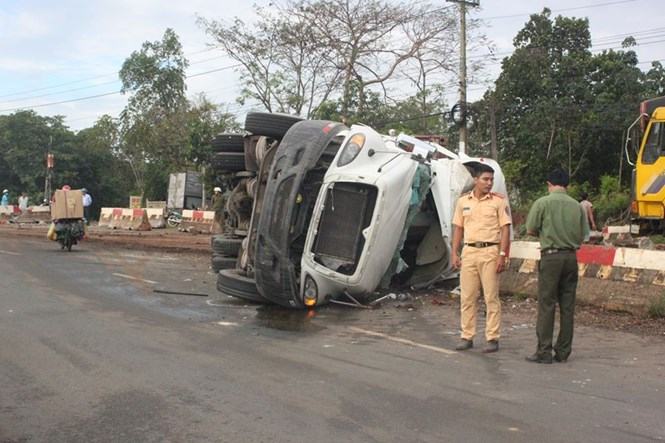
[504,248]
[591,218]
[458,233]
[585,227]
[534,220]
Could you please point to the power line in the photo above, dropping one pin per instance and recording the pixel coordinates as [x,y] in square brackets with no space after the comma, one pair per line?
[110,92]
[106,75]
[595,5]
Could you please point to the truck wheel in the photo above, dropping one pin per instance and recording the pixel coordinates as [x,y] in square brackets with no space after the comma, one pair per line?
[228,143]
[228,161]
[218,262]
[229,282]
[224,245]
[270,125]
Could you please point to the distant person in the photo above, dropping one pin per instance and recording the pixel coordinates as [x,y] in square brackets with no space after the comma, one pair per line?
[23,203]
[218,205]
[4,202]
[587,206]
[561,225]
[87,205]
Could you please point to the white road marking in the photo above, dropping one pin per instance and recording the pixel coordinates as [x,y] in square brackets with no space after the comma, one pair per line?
[129,277]
[403,341]
[227,323]
[9,252]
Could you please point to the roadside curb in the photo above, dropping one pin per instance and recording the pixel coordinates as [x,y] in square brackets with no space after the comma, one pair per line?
[620,279]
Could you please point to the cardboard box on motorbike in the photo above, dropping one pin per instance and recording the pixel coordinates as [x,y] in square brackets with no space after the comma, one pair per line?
[67,204]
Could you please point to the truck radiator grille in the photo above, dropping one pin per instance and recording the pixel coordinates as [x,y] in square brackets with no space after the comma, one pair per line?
[348,210]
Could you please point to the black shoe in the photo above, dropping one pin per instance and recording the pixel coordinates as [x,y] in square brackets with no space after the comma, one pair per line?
[560,359]
[536,358]
[492,346]
[464,344]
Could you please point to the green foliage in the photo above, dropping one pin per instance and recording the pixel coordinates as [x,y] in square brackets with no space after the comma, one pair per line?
[657,307]
[612,201]
[402,116]
[85,159]
[557,104]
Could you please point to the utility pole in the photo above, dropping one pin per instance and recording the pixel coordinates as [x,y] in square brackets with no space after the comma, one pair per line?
[463,133]
[50,164]
[494,149]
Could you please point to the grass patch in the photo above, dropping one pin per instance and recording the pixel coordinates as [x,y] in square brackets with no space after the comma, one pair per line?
[658,239]
[657,307]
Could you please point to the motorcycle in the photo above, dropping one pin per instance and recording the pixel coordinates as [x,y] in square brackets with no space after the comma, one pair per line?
[67,232]
[173,219]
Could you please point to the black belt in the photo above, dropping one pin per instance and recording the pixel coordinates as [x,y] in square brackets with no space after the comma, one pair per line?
[555,251]
[480,244]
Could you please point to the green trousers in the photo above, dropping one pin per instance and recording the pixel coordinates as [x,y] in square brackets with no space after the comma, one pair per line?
[557,283]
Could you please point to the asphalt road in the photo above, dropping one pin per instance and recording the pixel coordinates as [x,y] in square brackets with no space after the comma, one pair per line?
[89,352]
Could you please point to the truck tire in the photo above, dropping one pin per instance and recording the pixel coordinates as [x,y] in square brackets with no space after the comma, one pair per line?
[229,282]
[270,125]
[218,262]
[228,161]
[228,143]
[226,246]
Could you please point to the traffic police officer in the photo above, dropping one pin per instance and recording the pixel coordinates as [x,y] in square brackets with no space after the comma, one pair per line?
[561,224]
[482,219]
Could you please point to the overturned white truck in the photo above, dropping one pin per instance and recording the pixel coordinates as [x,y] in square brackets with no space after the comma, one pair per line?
[343,211]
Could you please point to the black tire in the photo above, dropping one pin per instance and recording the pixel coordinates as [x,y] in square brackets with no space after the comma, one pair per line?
[228,161]
[218,263]
[229,282]
[228,143]
[223,245]
[270,125]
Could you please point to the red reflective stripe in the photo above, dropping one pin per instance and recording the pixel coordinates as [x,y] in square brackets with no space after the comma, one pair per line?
[117,212]
[197,215]
[596,255]
[137,213]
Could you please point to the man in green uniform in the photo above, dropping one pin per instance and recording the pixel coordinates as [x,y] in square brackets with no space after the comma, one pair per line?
[561,225]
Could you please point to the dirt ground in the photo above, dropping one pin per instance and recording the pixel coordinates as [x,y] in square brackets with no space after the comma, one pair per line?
[523,309]
[169,240]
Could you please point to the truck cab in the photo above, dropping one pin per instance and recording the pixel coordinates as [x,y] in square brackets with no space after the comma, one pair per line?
[648,184]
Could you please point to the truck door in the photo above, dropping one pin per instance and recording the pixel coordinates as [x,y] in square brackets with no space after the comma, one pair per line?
[650,170]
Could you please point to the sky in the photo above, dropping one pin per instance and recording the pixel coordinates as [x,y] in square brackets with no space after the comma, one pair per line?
[62,58]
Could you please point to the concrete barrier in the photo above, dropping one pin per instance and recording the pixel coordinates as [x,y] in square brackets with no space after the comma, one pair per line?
[124,218]
[197,221]
[35,214]
[105,217]
[7,212]
[135,220]
[617,278]
[156,217]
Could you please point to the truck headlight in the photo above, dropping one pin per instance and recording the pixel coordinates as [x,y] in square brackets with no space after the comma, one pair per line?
[311,292]
[351,150]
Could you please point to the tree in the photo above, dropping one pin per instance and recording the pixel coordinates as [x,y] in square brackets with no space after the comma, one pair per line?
[543,97]
[311,52]
[153,128]
[281,65]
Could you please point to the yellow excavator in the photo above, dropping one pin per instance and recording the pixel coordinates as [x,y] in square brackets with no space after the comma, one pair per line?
[646,138]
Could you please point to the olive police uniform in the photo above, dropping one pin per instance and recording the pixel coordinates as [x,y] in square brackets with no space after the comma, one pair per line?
[482,220]
[561,225]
